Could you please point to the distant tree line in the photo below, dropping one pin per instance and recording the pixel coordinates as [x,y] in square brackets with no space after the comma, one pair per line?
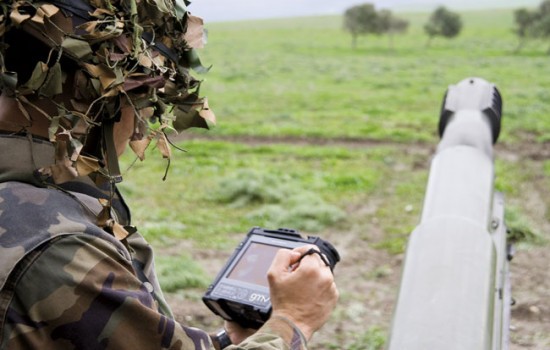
[365,19]
[532,24]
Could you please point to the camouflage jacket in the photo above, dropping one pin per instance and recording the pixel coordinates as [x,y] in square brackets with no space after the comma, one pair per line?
[67,284]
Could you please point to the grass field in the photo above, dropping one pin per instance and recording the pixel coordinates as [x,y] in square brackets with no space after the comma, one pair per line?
[315,135]
[299,79]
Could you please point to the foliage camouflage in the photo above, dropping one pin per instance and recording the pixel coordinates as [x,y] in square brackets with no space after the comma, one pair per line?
[105,56]
[137,51]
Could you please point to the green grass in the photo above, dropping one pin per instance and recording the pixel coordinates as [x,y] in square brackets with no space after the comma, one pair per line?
[300,79]
[180,272]
[221,188]
[356,130]
[373,338]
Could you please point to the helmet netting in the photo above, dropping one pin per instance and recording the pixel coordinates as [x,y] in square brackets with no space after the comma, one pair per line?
[136,52]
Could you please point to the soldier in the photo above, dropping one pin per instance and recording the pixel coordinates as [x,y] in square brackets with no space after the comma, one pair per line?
[80,80]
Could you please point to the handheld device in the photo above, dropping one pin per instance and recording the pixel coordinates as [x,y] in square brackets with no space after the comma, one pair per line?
[240,292]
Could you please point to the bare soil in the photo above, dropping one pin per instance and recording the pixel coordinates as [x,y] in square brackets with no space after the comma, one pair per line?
[368,278]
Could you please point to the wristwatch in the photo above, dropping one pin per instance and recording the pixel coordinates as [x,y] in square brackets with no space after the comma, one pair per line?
[223,339]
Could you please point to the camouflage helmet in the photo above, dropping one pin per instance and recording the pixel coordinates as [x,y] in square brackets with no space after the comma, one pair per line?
[140,52]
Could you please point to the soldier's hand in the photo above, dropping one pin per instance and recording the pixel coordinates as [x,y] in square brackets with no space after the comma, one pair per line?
[302,291]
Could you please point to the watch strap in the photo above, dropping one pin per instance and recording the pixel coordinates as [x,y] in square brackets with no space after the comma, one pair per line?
[223,339]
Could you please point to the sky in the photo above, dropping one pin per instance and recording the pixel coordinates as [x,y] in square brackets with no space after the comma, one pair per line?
[232,10]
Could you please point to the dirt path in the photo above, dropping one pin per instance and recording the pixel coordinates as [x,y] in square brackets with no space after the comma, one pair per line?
[368,278]
[529,149]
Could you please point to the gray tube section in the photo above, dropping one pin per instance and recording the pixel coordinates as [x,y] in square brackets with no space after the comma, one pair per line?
[446,297]
[461,174]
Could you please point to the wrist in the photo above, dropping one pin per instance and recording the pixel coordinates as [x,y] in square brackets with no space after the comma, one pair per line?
[302,328]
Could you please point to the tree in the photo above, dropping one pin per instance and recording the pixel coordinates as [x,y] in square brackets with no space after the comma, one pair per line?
[391,25]
[532,24]
[361,20]
[364,19]
[524,26]
[443,22]
[541,28]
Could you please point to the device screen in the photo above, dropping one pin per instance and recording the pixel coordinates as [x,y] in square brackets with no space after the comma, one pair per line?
[253,265]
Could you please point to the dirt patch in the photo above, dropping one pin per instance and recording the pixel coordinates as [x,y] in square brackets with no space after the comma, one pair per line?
[529,149]
[368,278]
[531,291]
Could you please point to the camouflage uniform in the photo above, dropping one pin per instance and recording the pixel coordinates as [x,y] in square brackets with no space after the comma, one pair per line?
[68,284]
